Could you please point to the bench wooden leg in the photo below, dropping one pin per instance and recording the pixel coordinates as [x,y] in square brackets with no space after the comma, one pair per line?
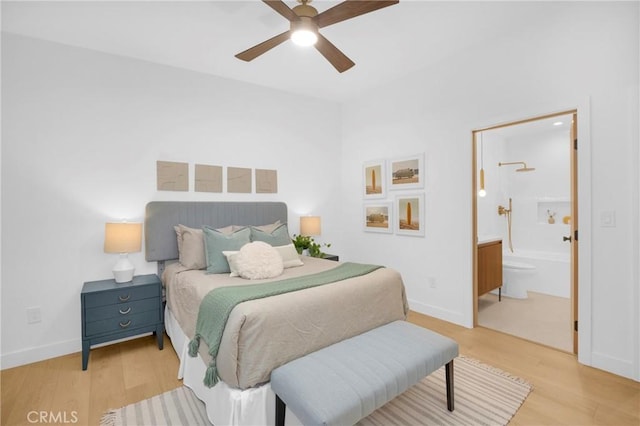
[449,377]
[281,409]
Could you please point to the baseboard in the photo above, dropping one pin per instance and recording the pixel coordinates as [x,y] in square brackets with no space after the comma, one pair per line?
[613,365]
[436,312]
[39,353]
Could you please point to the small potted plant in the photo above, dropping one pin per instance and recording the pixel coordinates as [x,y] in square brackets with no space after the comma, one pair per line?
[303,242]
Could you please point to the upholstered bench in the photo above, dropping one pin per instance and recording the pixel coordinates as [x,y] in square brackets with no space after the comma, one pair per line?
[345,382]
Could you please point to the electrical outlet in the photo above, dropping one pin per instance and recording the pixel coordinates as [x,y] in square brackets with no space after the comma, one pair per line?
[432,282]
[608,219]
[34,315]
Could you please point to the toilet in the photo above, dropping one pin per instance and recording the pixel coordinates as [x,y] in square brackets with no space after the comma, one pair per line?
[517,278]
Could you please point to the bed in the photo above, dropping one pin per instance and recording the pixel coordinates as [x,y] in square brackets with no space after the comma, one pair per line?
[261,334]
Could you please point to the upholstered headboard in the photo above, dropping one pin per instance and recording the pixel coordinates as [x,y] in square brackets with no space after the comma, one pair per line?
[161,216]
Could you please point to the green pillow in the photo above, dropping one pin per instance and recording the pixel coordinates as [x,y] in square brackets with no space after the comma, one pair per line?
[215,242]
[278,237]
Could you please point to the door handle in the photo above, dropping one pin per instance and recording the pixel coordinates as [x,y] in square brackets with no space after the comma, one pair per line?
[567,238]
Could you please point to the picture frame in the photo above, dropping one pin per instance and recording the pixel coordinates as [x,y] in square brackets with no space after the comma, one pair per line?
[410,214]
[374,180]
[378,217]
[406,172]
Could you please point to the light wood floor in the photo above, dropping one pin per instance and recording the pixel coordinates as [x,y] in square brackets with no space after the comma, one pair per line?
[540,318]
[565,392]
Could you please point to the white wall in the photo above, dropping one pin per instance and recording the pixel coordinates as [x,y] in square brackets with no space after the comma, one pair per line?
[66,110]
[585,56]
[82,132]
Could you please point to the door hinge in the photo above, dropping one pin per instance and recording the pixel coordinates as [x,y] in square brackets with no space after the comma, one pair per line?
[575,235]
[575,325]
[575,144]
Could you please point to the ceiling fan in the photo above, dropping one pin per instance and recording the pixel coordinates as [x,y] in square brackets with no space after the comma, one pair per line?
[305,23]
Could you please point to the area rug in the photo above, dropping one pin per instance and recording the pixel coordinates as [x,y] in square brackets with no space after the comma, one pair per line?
[483,394]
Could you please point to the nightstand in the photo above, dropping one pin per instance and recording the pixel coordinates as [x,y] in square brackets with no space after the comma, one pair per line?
[112,311]
[334,257]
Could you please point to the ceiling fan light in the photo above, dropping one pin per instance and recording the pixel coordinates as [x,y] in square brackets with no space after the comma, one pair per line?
[304,32]
[304,37]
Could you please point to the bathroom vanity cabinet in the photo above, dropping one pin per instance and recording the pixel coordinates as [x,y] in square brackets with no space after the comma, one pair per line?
[490,267]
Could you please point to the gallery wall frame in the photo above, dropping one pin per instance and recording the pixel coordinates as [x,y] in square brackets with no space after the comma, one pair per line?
[239,180]
[406,172]
[374,179]
[266,181]
[378,217]
[172,176]
[208,178]
[410,214]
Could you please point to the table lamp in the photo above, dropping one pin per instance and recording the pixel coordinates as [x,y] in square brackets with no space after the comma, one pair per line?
[123,238]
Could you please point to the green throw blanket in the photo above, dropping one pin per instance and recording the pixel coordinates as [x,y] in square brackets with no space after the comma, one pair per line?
[218,304]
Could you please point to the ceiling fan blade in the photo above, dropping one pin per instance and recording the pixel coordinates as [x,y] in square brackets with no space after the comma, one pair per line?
[284,10]
[350,9]
[338,59]
[263,47]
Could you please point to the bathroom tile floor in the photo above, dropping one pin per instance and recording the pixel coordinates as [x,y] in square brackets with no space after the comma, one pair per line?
[540,318]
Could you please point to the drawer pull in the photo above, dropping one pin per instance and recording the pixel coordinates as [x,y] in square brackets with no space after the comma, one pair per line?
[126,324]
[124,298]
[125,312]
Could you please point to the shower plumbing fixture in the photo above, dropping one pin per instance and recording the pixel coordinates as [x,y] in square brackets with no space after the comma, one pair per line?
[503,211]
[524,167]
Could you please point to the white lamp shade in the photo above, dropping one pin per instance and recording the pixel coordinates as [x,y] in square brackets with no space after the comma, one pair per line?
[304,38]
[122,237]
[310,225]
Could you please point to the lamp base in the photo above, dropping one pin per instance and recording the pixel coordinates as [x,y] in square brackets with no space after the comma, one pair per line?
[123,269]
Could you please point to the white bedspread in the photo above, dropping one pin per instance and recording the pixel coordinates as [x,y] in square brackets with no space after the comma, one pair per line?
[263,334]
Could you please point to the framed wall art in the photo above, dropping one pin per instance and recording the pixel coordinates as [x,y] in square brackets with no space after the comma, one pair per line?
[172,176]
[410,219]
[374,179]
[378,217]
[239,180]
[407,172]
[266,181]
[208,178]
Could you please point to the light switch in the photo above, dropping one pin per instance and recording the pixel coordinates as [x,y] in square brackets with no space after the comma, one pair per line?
[608,219]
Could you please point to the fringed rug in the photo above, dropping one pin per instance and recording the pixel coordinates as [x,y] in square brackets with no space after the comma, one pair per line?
[484,395]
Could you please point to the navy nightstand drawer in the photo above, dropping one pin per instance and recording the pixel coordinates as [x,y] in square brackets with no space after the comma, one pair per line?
[126,294]
[127,322]
[122,310]
[112,311]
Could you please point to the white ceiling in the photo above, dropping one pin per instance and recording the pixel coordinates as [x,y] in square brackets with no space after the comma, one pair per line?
[204,36]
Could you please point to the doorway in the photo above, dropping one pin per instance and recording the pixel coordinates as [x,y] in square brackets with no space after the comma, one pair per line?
[525,204]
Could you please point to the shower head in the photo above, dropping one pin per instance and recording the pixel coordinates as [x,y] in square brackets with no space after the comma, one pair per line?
[524,167]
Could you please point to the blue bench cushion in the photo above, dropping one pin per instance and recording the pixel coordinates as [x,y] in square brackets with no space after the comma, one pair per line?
[345,382]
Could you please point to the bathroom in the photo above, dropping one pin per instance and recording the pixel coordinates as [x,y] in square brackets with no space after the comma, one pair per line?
[525,170]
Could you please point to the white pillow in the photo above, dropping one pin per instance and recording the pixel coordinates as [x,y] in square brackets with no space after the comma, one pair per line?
[231,260]
[255,261]
[290,256]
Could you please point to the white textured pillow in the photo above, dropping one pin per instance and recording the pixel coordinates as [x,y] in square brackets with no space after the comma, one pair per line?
[290,256]
[258,260]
